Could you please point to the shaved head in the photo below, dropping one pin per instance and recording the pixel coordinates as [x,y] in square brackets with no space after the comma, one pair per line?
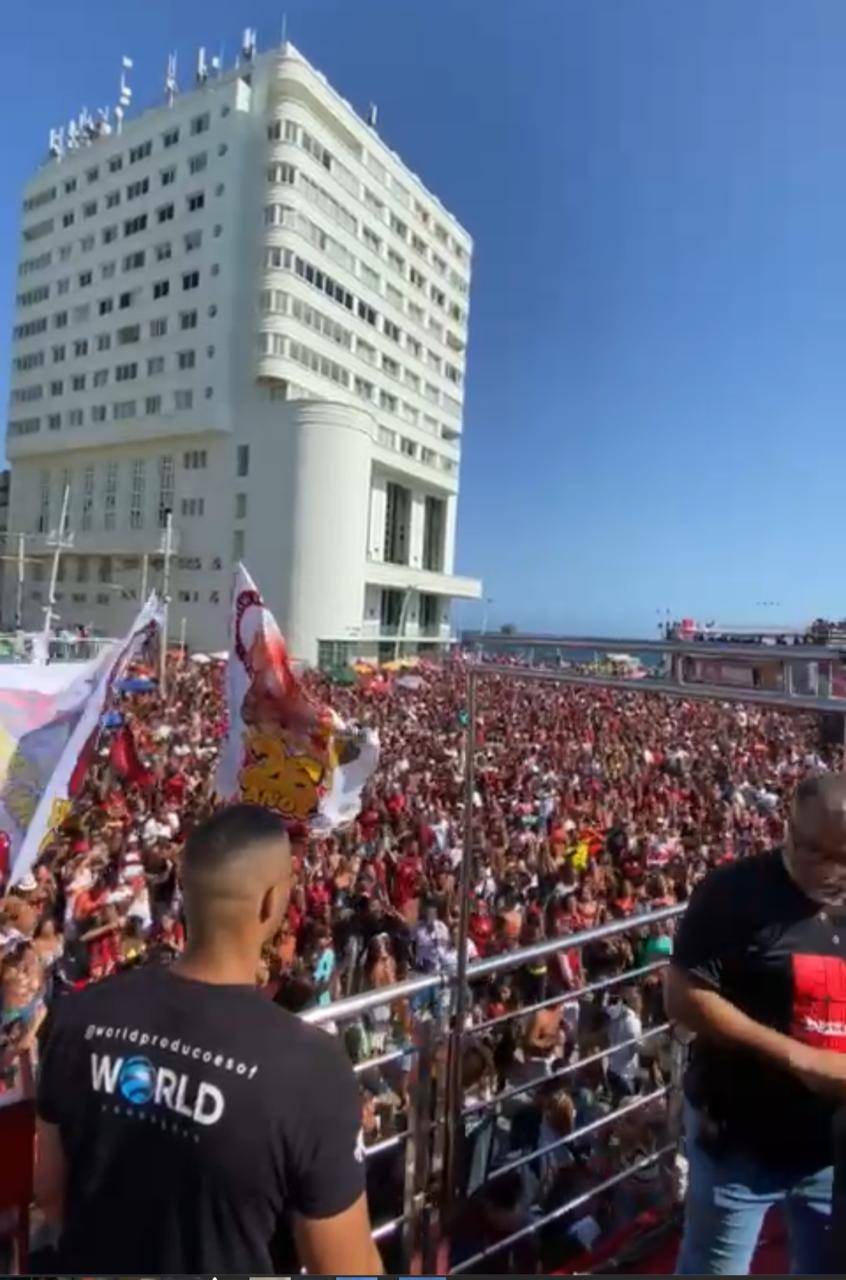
[236,876]
[816,852]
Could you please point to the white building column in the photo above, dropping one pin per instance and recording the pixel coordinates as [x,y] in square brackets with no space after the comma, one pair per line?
[449,534]
[417,523]
[378,504]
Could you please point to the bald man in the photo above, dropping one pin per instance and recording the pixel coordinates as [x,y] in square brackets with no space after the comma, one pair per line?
[184,1119]
[759,974]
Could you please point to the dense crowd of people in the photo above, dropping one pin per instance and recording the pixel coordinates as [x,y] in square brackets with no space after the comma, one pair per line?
[589,806]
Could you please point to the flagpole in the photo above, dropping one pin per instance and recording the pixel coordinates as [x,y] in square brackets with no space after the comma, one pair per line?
[20,586]
[59,545]
[168,552]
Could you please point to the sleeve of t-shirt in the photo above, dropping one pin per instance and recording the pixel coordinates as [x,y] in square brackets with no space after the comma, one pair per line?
[707,933]
[325,1137]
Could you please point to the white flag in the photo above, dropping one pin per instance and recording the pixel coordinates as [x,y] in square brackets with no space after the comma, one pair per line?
[284,750]
[45,746]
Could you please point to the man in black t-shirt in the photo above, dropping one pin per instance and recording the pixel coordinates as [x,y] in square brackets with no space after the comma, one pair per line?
[759,974]
[183,1117]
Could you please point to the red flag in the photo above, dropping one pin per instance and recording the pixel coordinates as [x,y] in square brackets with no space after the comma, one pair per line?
[124,760]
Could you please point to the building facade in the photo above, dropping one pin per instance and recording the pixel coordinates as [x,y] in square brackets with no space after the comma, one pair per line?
[244,310]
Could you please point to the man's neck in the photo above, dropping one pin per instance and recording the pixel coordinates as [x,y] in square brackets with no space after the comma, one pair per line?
[205,964]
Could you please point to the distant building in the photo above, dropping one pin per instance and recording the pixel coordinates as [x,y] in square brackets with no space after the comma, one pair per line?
[245,310]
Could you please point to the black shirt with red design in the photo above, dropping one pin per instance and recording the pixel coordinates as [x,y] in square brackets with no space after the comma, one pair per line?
[753,936]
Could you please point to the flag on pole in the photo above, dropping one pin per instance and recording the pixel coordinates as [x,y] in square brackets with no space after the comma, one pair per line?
[46,748]
[284,750]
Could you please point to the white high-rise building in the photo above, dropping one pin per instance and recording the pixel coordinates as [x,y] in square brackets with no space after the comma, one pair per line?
[243,309]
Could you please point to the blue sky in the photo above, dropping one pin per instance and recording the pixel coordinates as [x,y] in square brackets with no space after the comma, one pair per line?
[657,191]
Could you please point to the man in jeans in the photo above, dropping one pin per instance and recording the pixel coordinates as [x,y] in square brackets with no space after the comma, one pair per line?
[759,975]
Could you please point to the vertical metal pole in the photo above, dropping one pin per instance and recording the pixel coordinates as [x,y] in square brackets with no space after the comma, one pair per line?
[145,573]
[54,572]
[182,626]
[417,1151]
[20,587]
[403,618]
[454,1097]
[168,552]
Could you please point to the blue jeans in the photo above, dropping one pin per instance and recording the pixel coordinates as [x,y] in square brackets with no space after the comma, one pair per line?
[728,1198]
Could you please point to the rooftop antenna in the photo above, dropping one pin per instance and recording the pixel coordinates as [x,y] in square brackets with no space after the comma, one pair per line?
[125,93]
[57,143]
[216,63]
[171,87]
[248,44]
[73,136]
[202,67]
[284,28]
[372,115]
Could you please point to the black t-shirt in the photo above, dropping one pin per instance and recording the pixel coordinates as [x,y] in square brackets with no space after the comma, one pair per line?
[193,1119]
[751,934]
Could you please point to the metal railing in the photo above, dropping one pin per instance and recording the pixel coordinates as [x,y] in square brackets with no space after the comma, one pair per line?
[432,1138]
[437,1110]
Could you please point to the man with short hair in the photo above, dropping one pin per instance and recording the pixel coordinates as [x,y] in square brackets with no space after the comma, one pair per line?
[183,1117]
[759,974]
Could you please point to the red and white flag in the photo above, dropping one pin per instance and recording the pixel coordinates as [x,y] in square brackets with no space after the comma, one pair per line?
[284,749]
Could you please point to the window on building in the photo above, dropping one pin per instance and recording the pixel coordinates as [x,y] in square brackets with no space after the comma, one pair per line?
[123,409]
[152,405]
[397,523]
[196,201]
[141,152]
[126,372]
[168,176]
[78,382]
[112,199]
[100,378]
[110,498]
[75,417]
[134,261]
[155,366]
[200,124]
[238,544]
[193,240]
[165,504]
[242,460]
[165,213]
[107,270]
[109,234]
[183,399]
[133,225]
[158,328]
[161,289]
[240,506]
[187,319]
[198,163]
[136,498]
[170,138]
[87,498]
[190,280]
[186,359]
[128,334]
